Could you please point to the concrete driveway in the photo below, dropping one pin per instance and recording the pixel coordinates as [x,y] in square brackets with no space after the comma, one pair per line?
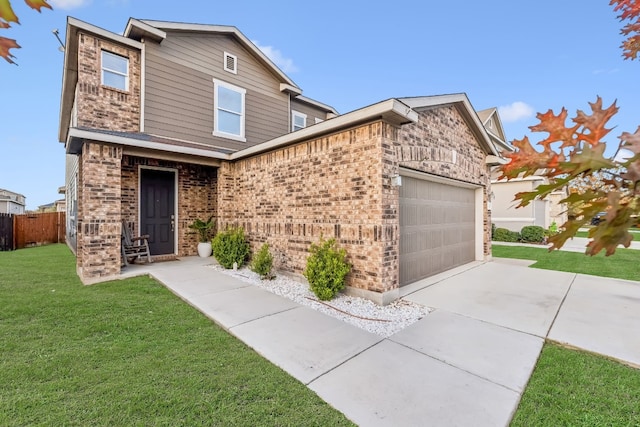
[466,363]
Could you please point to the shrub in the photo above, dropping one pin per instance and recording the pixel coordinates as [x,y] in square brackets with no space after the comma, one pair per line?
[263,262]
[532,233]
[326,269]
[506,235]
[493,230]
[230,246]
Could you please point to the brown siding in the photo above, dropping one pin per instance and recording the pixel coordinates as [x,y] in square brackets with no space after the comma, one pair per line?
[311,112]
[103,107]
[179,90]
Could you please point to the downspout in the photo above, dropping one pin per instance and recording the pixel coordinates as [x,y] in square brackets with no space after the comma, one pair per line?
[143,62]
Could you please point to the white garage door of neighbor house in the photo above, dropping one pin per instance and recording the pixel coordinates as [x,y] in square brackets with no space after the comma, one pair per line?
[437,228]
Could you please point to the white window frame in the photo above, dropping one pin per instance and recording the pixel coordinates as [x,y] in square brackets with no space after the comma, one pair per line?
[235,63]
[242,92]
[295,114]
[104,69]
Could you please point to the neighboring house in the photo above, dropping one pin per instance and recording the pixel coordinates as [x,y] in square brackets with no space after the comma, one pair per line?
[57,206]
[11,203]
[504,213]
[170,122]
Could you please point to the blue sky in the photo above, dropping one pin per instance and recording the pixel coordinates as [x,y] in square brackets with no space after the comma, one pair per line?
[524,57]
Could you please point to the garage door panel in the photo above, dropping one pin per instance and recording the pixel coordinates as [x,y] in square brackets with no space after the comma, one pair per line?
[437,228]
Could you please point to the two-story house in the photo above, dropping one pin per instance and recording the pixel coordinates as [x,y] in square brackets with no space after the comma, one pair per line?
[11,203]
[169,122]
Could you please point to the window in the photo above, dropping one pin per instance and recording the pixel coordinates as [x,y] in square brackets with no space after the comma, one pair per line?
[230,63]
[298,121]
[228,105]
[115,71]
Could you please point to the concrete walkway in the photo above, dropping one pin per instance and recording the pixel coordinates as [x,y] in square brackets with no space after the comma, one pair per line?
[466,363]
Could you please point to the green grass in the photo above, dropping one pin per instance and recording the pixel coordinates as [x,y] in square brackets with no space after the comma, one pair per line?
[129,353]
[622,265]
[573,388]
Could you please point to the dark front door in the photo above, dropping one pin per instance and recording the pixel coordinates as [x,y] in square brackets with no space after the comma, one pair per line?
[157,210]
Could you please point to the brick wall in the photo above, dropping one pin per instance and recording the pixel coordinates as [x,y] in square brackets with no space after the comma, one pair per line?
[329,187]
[99,227]
[197,195]
[429,146]
[103,107]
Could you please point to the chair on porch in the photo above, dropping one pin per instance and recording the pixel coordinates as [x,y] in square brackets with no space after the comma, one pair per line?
[134,247]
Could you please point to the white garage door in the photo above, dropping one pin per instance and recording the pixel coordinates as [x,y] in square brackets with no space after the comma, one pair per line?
[437,228]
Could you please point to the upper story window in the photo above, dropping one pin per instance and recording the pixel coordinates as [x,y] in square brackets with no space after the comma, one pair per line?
[298,120]
[229,111]
[115,71]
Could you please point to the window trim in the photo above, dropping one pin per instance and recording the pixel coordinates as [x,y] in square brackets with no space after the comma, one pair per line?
[104,69]
[219,83]
[295,114]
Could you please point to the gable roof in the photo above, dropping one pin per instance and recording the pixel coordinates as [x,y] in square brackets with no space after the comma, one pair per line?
[491,121]
[137,29]
[461,102]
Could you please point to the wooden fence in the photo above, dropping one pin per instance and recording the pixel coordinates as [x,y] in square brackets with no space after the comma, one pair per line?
[34,230]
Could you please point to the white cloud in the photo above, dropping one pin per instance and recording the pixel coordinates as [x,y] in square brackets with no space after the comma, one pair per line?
[515,111]
[285,64]
[69,4]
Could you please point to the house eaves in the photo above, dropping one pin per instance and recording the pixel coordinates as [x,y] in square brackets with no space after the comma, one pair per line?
[392,111]
[318,104]
[70,71]
[464,107]
[77,136]
[136,28]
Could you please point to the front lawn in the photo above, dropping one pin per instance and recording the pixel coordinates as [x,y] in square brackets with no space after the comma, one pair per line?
[622,265]
[574,388]
[634,233]
[129,353]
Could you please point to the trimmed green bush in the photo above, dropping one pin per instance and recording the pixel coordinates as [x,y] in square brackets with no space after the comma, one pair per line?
[262,262]
[230,246]
[532,234]
[493,230]
[326,269]
[506,235]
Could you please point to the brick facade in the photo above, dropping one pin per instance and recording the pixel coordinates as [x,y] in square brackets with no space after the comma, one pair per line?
[330,187]
[103,107]
[340,187]
[99,201]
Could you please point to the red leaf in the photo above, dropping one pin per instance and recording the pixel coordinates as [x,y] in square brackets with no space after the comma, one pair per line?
[527,159]
[595,123]
[5,45]
[555,126]
[631,141]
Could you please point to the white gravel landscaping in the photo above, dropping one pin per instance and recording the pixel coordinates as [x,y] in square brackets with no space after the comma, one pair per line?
[380,320]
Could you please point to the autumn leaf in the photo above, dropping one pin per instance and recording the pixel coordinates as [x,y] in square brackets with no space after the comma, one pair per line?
[589,159]
[613,232]
[631,141]
[630,11]
[596,122]
[527,159]
[38,4]
[555,126]
[7,14]
[5,45]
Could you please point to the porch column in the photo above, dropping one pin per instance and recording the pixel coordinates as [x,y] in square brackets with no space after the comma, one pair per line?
[99,214]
